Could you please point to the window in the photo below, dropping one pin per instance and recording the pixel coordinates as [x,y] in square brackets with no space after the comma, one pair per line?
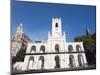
[33,49]
[57,61]
[70,48]
[71,61]
[42,48]
[30,63]
[78,48]
[80,60]
[41,62]
[56,24]
[57,48]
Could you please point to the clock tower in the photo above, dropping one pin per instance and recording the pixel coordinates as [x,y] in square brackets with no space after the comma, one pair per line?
[56,38]
[19,32]
[57,32]
[56,27]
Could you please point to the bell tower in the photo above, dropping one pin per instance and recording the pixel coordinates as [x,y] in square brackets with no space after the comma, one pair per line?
[20,28]
[56,38]
[56,27]
[19,31]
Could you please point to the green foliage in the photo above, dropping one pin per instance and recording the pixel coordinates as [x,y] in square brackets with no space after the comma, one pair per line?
[89,43]
[19,56]
[13,60]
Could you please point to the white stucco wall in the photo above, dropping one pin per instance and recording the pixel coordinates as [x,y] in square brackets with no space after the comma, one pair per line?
[49,60]
[56,36]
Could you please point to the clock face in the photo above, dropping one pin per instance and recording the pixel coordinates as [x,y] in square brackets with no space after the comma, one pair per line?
[56,29]
[57,33]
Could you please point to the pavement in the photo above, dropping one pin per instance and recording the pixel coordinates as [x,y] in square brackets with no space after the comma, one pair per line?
[52,70]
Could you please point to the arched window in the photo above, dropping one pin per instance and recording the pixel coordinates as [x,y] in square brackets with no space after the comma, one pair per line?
[70,48]
[30,63]
[57,48]
[42,48]
[41,62]
[33,49]
[80,60]
[78,48]
[56,24]
[71,61]
[57,61]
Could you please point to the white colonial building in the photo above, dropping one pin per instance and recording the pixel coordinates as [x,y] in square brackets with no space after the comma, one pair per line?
[55,52]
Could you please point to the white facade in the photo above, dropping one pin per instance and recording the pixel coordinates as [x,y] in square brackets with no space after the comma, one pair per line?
[55,52]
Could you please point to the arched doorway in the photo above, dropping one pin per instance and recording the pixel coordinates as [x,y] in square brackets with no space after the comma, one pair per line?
[71,61]
[42,49]
[70,48]
[41,62]
[80,60]
[78,48]
[57,61]
[30,63]
[33,49]
[57,48]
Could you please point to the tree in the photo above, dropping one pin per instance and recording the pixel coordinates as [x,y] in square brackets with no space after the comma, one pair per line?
[19,56]
[89,42]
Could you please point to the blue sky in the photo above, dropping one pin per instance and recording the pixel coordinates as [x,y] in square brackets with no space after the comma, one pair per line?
[37,18]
